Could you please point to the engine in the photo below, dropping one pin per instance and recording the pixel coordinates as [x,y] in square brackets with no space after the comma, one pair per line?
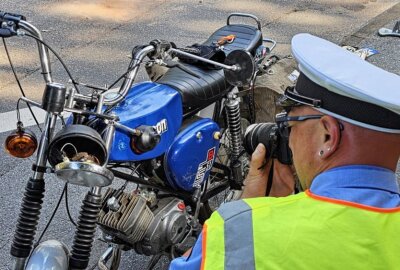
[144,224]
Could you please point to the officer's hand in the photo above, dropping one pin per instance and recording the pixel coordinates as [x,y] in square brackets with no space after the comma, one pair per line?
[283,181]
[255,184]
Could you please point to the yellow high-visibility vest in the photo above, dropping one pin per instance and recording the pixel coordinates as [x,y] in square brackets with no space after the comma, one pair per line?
[303,231]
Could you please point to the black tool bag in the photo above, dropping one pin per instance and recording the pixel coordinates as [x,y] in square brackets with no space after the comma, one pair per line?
[212,52]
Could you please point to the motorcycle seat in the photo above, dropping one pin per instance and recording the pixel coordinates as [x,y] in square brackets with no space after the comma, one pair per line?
[201,92]
[248,38]
[196,92]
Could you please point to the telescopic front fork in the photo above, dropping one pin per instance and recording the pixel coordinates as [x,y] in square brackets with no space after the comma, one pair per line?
[32,201]
[87,223]
[53,102]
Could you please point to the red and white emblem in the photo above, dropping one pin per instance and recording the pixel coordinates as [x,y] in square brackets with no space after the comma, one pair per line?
[204,167]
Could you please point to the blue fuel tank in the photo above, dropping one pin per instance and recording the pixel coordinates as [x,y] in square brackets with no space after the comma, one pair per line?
[148,104]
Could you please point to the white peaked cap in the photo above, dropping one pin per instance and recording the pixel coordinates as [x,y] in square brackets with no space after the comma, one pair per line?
[349,87]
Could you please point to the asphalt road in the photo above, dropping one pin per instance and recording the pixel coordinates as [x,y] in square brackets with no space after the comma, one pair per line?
[95,39]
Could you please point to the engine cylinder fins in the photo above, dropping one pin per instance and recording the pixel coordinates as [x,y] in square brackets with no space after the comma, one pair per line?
[132,219]
[84,236]
[28,218]
[232,107]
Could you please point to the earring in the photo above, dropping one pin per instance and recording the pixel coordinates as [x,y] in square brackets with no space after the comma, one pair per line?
[321,153]
[329,149]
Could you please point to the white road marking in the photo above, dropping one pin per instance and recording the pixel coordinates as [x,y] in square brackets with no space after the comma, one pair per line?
[8,120]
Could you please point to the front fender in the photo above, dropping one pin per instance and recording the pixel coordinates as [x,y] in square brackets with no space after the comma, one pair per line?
[49,255]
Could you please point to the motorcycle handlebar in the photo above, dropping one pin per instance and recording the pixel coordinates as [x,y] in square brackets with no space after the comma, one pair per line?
[126,85]
[10,23]
[20,22]
[130,77]
[43,51]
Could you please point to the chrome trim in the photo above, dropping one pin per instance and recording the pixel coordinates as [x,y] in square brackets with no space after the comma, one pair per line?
[34,103]
[18,263]
[233,67]
[43,51]
[84,174]
[126,85]
[246,15]
[50,254]
[41,158]
[270,41]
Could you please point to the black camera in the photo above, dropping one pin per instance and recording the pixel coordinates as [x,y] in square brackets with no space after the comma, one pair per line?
[270,135]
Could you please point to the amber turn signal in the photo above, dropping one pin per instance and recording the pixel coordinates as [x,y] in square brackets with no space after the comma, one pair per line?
[21,143]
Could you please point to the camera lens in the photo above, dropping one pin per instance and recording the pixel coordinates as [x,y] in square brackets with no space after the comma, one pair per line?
[265,133]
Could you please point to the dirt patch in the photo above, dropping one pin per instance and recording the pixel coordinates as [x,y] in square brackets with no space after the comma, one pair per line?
[110,10]
[353,7]
[311,18]
[203,26]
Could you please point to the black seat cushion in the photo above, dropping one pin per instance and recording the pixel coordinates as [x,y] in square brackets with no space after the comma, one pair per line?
[196,92]
[248,38]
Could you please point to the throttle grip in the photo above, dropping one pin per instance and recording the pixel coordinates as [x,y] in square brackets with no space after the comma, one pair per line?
[7,16]
[160,46]
[9,24]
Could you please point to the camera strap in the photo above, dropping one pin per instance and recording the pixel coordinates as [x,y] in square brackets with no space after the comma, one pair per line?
[270,179]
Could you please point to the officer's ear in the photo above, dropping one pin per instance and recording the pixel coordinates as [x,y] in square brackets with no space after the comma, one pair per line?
[332,131]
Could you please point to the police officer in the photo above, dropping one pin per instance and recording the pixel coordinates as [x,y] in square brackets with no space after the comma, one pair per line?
[343,122]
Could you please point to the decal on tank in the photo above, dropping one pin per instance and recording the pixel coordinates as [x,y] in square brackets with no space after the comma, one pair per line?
[189,160]
[162,126]
[204,167]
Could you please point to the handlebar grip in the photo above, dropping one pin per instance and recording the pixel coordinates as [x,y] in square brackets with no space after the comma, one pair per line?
[160,46]
[7,16]
[9,24]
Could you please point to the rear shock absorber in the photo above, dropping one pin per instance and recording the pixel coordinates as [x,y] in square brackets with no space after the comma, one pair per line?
[28,219]
[84,235]
[232,106]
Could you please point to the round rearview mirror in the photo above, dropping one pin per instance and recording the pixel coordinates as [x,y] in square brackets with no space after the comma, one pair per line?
[245,68]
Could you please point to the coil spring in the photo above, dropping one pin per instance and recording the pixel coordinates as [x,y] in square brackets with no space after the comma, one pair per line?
[28,218]
[233,118]
[84,236]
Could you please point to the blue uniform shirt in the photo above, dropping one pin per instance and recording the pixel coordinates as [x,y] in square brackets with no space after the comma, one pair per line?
[368,185]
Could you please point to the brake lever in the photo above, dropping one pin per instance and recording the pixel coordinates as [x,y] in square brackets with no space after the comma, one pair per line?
[171,64]
[9,24]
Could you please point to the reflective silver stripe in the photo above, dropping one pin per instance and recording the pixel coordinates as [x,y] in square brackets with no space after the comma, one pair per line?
[238,235]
